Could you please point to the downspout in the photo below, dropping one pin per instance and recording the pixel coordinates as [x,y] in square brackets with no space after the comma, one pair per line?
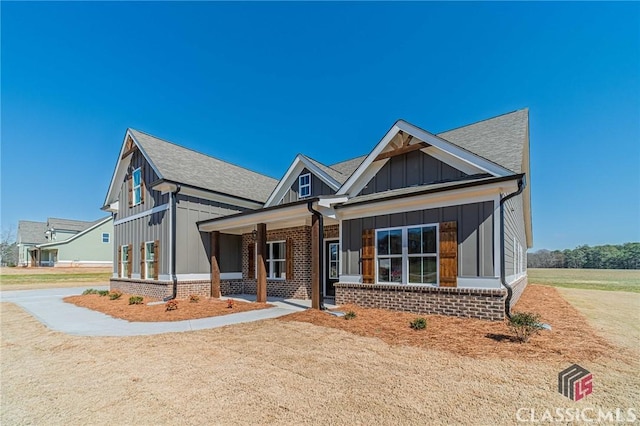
[172,265]
[507,307]
[319,216]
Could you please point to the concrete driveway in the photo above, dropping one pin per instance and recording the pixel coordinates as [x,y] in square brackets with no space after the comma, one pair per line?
[48,307]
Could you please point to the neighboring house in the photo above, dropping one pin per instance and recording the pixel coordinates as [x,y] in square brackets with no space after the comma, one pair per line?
[64,242]
[423,223]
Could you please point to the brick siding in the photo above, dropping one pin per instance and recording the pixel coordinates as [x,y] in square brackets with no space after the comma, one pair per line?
[463,302]
[160,289]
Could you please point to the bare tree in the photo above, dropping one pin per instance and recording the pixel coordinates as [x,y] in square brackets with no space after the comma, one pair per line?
[8,247]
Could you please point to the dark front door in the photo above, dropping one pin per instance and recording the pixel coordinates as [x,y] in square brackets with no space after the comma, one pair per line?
[331,267]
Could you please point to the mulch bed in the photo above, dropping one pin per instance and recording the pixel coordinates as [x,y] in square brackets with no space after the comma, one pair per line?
[570,338]
[120,308]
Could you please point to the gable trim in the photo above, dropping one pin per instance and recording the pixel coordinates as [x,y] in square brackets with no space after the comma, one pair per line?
[120,169]
[356,181]
[296,167]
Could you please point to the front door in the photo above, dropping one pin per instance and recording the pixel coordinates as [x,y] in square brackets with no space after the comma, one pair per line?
[331,267]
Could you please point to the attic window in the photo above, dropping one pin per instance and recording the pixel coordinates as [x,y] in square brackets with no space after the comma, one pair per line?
[304,185]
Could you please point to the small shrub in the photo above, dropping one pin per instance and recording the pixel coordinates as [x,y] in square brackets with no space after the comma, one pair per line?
[114,295]
[419,323]
[136,300]
[230,303]
[525,325]
[90,291]
[194,298]
[171,305]
[349,315]
[103,292]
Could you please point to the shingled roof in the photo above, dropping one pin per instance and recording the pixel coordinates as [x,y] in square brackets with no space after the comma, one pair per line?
[31,232]
[68,224]
[182,165]
[500,139]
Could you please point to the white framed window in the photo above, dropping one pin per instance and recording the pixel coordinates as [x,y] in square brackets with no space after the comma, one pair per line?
[149,259]
[137,186]
[124,261]
[277,260]
[106,237]
[407,255]
[333,261]
[304,185]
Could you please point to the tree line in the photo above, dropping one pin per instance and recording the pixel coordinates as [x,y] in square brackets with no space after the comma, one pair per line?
[621,256]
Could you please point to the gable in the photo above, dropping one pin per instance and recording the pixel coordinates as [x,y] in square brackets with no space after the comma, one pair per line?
[318,188]
[410,169]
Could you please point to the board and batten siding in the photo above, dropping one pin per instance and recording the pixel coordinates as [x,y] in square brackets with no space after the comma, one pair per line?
[194,247]
[514,227]
[143,229]
[318,187]
[151,198]
[475,235]
[414,168]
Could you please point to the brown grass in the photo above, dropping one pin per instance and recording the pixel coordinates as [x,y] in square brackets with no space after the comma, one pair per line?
[120,308]
[18,270]
[571,336]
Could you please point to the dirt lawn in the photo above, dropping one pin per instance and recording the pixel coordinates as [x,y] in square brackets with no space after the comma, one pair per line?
[285,372]
[33,278]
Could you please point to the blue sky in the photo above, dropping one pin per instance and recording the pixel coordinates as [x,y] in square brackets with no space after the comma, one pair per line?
[256,83]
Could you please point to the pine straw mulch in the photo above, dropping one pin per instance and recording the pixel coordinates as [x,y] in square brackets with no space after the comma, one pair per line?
[570,338]
[120,308]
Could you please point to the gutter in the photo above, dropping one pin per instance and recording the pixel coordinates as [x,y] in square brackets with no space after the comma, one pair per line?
[521,185]
[174,277]
[318,215]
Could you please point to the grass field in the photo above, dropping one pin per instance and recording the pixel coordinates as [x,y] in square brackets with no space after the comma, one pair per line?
[588,279]
[30,278]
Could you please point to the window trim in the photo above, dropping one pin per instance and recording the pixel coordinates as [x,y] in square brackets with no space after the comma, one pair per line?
[124,264]
[337,261]
[147,270]
[405,256]
[269,260]
[135,187]
[108,237]
[307,185]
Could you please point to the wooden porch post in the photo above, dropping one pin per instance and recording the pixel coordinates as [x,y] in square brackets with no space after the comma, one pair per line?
[315,262]
[215,264]
[261,251]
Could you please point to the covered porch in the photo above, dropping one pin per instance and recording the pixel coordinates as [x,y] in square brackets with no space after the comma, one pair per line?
[287,251]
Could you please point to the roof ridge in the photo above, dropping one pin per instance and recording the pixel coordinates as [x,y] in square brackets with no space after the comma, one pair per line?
[201,153]
[320,162]
[483,120]
[348,159]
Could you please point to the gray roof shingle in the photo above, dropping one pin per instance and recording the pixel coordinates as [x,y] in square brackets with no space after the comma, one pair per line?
[328,170]
[499,139]
[349,166]
[183,165]
[68,224]
[31,232]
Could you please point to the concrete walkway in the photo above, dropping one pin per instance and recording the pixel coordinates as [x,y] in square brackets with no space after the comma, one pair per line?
[47,306]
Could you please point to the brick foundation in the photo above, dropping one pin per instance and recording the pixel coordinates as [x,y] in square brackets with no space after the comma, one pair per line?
[463,302]
[160,289]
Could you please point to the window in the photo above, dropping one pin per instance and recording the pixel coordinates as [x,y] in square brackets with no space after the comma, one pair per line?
[124,261]
[304,185]
[276,259]
[407,255]
[137,186]
[105,237]
[149,258]
[333,261]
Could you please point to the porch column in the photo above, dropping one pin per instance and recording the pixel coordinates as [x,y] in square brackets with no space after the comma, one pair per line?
[315,262]
[215,264]
[261,257]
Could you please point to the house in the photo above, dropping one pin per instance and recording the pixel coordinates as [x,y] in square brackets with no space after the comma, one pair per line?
[65,242]
[423,223]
